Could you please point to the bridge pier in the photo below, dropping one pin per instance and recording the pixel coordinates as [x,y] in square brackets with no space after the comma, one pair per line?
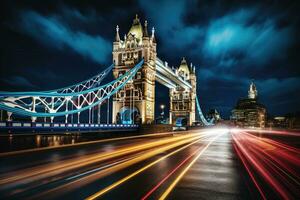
[183,100]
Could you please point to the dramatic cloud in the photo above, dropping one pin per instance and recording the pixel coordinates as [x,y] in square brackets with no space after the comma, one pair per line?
[20,82]
[253,42]
[170,25]
[243,36]
[51,32]
[229,42]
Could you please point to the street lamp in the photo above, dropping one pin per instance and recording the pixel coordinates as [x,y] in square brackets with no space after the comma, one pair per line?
[162,109]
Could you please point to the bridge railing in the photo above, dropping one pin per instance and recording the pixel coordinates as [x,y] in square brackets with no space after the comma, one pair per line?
[46,126]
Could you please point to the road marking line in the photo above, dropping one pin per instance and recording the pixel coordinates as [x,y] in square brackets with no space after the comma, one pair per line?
[174,183]
[112,186]
[97,169]
[169,174]
[97,158]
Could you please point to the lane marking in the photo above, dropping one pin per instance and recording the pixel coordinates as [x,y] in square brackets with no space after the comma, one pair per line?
[174,183]
[112,186]
[169,174]
[100,174]
[96,158]
[97,169]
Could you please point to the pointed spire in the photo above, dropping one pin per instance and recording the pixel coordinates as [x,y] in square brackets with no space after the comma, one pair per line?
[117,34]
[194,69]
[145,30]
[125,37]
[136,20]
[183,60]
[153,37]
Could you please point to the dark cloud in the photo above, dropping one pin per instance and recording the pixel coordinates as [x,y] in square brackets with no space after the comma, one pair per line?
[20,82]
[231,42]
[51,32]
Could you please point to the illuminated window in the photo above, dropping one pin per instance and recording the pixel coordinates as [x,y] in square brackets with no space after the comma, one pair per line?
[139,75]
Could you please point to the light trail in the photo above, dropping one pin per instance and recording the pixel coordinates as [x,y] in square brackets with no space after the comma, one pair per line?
[104,172]
[179,177]
[114,185]
[83,143]
[267,131]
[97,169]
[168,175]
[63,166]
[272,165]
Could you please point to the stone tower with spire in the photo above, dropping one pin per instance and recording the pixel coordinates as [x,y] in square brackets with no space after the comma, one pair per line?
[183,100]
[252,92]
[135,102]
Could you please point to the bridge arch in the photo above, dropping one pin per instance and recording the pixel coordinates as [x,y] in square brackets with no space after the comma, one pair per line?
[128,115]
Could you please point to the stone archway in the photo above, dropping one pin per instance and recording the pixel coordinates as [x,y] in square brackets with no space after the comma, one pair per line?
[129,115]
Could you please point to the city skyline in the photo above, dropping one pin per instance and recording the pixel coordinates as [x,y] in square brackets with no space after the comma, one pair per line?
[229,48]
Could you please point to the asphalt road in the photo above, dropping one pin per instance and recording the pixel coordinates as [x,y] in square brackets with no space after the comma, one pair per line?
[197,164]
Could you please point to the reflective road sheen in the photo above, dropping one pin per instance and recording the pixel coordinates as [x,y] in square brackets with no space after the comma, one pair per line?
[215,163]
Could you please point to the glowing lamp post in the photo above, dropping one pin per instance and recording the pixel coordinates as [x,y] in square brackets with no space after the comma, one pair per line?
[162,109]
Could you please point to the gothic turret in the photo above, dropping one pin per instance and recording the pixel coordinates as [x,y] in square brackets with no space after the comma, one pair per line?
[183,69]
[252,93]
[136,29]
[152,36]
[117,39]
[145,30]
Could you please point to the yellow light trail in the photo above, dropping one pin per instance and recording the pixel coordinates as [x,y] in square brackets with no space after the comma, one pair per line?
[83,143]
[44,171]
[104,172]
[174,183]
[112,186]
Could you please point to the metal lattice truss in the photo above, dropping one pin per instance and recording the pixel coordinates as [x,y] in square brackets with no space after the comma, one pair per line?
[95,81]
[65,101]
[202,118]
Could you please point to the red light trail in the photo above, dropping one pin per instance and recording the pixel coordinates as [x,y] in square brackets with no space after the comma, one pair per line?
[272,165]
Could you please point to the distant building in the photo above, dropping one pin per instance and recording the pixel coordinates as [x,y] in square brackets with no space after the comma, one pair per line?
[248,112]
[290,121]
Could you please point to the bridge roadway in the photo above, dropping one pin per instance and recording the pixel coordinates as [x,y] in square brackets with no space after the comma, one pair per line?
[196,164]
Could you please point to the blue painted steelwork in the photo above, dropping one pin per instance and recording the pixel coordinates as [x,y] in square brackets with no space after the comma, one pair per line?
[202,118]
[54,102]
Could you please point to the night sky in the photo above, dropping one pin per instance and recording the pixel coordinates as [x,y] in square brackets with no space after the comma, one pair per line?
[50,44]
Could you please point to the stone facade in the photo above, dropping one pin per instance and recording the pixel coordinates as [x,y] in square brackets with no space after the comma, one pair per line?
[135,102]
[249,112]
[183,101]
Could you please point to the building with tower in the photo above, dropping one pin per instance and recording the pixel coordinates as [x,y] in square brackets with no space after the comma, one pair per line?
[248,112]
[135,102]
[182,100]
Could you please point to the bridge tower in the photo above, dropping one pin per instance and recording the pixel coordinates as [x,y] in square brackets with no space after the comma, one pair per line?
[135,102]
[183,100]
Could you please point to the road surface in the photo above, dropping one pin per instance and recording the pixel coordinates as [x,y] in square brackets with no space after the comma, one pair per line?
[196,164]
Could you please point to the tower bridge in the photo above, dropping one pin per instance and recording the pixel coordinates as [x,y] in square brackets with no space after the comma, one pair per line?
[136,68]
